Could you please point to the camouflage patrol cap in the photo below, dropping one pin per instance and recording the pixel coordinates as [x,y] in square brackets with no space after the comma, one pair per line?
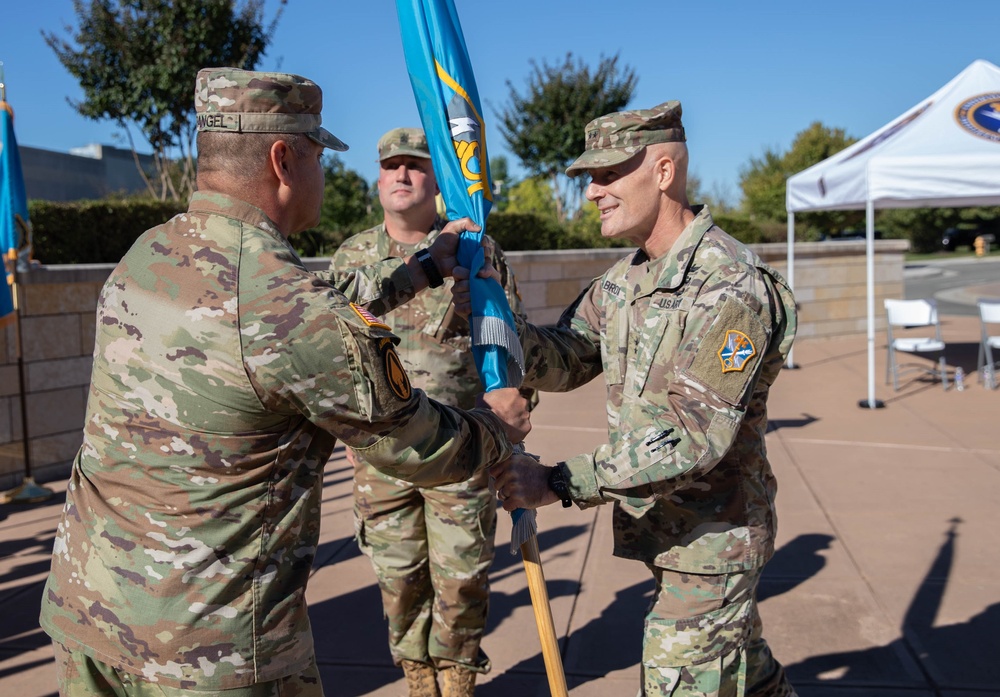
[230,100]
[403,141]
[615,138]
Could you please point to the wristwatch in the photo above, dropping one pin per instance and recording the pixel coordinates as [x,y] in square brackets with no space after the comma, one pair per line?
[559,484]
[434,279]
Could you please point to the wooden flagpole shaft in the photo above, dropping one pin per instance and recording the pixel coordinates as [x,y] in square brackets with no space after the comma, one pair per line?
[543,617]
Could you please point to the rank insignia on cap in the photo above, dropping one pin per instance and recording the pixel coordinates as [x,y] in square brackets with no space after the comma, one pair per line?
[736,351]
[368,318]
[395,374]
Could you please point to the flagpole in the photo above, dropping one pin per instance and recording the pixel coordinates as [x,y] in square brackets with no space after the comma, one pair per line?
[27,491]
[543,617]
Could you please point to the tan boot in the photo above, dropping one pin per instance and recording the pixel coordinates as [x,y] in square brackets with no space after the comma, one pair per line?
[458,681]
[421,680]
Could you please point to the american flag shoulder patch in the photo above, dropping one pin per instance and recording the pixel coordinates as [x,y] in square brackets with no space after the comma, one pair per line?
[368,318]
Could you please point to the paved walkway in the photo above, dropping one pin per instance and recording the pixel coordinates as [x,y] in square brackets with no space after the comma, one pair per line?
[884,582]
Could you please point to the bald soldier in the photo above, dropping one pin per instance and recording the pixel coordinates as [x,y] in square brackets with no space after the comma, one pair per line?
[690,332]
[224,373]
[431,547]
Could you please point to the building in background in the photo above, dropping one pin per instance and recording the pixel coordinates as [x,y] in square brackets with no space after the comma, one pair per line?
[91,172]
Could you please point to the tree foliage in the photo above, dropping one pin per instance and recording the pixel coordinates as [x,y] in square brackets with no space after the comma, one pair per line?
[924,227]
[544,126]
[136,61]
[533,195]
[350,205]
[763,179]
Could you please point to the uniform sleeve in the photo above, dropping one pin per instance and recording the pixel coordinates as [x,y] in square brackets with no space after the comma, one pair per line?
[308,351]
[567,355]
[380,286]
[703,368]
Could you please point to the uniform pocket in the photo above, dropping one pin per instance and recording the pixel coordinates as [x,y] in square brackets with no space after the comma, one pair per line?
[695,640]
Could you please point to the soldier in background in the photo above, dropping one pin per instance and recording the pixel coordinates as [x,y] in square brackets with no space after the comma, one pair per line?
[690,332]
[431,547]
[224,373]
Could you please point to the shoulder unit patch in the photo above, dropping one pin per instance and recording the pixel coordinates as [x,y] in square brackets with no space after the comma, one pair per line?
[736,350]
[395,373]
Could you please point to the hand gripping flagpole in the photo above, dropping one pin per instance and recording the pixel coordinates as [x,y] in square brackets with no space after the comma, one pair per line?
[444,85]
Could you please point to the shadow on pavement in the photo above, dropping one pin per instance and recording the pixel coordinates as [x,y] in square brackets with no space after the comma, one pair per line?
[952,657]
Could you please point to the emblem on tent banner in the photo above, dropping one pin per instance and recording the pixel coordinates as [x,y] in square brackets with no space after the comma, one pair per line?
[736,350]
[980,116]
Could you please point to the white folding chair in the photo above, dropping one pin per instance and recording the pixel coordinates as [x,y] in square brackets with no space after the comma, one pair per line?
[989,313]
[907,315]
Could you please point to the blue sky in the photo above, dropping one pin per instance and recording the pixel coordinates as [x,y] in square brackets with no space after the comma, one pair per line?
[749,75]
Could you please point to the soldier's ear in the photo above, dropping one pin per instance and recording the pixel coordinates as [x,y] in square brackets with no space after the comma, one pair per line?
[666,171]
[279,161]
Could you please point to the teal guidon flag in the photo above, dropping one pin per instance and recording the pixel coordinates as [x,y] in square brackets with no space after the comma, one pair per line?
[448,102]
[13,209]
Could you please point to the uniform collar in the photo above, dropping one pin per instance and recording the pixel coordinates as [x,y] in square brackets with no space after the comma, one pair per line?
[669,271]
[384,240]
[215,203]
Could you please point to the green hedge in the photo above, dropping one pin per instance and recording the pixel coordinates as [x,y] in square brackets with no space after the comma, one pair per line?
[523,232]
[93,232]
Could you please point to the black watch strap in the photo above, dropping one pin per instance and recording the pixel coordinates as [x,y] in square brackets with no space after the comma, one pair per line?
[559,483]
[434,279]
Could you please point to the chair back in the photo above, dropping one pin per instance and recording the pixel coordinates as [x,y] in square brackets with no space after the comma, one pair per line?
[911,313]
[989,310]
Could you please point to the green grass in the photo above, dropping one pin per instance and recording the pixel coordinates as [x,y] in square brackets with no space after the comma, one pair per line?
[945,256]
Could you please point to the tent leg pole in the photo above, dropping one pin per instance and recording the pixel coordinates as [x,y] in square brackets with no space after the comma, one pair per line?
[870,402]
[790,277]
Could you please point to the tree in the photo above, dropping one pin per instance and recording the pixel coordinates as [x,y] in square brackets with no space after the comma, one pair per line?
[763,179]
[533,195]
[924,227]
[544,127]
[502,182]
[350,205]
[136,61]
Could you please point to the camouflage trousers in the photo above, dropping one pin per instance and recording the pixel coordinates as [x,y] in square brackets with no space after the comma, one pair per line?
[80,675]
[431,549]
[703,638]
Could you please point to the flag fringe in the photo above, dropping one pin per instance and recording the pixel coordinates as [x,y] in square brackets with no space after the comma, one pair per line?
[494,331]
[525,528]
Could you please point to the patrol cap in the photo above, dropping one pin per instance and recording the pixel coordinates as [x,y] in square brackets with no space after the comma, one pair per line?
[615,138]
[403,141]
[230,100]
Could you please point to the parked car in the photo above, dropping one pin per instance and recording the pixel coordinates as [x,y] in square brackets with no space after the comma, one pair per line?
[848,235]
[962,236]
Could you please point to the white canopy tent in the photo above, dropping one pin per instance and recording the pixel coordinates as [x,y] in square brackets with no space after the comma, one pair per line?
[944,152]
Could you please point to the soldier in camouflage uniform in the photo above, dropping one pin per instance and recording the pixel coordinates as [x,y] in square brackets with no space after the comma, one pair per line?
[223,374]
[690,332]
[431,547]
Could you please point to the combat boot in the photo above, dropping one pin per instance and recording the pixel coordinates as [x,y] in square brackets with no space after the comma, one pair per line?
[421,680]
[457,681]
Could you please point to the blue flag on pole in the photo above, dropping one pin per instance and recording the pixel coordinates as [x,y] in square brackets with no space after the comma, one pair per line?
[445,89]
[13,209]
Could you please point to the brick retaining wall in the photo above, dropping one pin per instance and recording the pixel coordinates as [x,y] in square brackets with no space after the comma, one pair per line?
[59,302]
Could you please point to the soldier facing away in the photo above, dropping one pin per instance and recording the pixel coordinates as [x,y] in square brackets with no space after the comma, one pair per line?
[431,547]
[690,332]
[224,373]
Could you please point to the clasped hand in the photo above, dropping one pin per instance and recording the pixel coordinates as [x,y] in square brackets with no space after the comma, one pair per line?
[521,481]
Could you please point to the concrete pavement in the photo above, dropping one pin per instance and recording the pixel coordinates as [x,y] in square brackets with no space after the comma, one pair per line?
[884,582]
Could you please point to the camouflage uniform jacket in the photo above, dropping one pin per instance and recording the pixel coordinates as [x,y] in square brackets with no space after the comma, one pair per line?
[435,346]
[689,345]
[223,374]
